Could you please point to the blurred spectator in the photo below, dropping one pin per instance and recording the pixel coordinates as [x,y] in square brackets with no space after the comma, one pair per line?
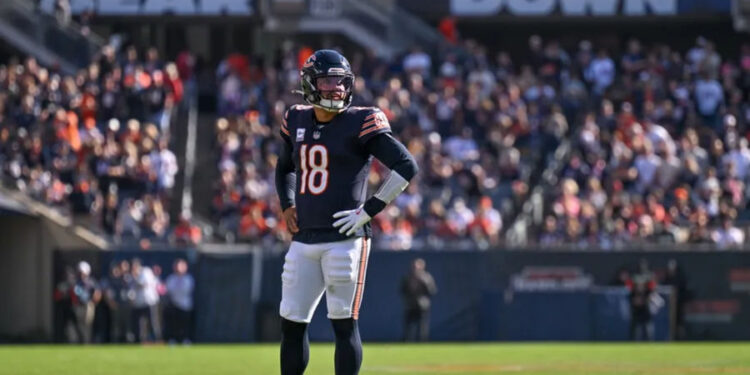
[186,233]
[104,311]
[728,235]
[641,324]
[487,224]
[676,278]
[601,72]
[459,217]
[417,288]
[84,308]
[417,61]
[180,286]
[145,314]
[642,288]
[65,299]
[119,294]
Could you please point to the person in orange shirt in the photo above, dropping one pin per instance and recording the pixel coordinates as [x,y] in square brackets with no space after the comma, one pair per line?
[186,233]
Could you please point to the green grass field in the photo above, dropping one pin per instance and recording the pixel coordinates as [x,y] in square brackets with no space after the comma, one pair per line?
[558,359]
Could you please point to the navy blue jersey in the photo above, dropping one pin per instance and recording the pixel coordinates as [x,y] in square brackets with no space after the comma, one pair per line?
[331,165]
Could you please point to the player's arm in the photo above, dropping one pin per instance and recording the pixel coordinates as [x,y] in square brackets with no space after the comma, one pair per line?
[285,177]
[286,180]
[375,137]
[403,168]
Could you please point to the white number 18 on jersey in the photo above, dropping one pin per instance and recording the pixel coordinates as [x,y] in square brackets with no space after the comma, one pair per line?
[313,163]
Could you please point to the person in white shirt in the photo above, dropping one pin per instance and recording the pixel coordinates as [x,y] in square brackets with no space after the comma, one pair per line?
[647,164]
[180,287]
[417,62]
[165,164]
[728,235]
[697,54]
[462,147]
[145,303]
[601,72]
[709,97]
[488,222]
[459,217]
[739,156]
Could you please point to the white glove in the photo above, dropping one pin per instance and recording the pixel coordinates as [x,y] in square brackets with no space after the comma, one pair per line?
[351,220]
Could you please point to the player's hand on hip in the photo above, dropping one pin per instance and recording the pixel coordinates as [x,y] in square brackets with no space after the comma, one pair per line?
[350,220]
[290,217]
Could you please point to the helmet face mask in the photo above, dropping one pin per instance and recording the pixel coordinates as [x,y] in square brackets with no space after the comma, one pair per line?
[327,81]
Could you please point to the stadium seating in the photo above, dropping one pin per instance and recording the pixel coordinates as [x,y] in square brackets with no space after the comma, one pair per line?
[655,144]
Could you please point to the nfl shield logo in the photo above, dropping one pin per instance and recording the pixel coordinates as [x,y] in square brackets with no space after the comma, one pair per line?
[300,135]
[316,134]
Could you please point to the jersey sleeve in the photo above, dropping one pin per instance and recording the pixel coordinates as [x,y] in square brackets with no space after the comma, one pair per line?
[374,123]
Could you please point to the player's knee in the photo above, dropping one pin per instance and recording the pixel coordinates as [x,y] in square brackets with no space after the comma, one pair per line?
[338,308]
[344,328]
[293,331]
[290,310]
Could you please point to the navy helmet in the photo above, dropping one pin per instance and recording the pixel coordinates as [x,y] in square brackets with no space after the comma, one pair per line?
[327,63]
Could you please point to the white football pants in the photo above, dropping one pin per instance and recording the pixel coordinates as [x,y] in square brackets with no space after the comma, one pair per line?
[338,268]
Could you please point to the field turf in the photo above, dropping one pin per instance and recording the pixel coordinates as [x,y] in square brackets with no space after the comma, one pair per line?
[453,358]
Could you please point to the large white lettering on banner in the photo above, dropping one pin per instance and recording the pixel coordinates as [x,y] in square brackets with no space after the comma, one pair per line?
[565,7]
[156,7]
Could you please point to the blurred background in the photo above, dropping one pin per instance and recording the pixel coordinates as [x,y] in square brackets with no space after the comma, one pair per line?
[584,167]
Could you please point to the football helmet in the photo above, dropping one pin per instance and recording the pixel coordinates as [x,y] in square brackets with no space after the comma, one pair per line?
[327,80]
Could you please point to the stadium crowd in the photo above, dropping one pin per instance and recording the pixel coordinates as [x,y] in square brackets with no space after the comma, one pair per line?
[665,157]
[96,144]
[660,146]
[660,152]
[473,151]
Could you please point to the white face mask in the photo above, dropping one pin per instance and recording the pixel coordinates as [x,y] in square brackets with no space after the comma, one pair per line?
[331,105]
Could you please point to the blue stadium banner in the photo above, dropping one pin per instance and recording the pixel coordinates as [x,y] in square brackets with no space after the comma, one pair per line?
[569,8]
[158,7]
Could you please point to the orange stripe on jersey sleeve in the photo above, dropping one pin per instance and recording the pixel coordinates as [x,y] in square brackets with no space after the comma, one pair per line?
[372,129]
[284,126]
[368,124]
[373,122]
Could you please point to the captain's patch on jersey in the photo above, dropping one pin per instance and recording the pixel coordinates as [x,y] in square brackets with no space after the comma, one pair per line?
[300,135]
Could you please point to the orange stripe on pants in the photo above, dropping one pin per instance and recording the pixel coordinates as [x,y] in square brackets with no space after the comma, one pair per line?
[360,279]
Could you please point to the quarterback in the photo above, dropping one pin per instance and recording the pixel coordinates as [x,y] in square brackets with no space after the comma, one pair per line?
[321,180]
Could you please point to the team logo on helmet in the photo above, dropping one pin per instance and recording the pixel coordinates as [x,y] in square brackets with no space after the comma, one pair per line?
[310,61]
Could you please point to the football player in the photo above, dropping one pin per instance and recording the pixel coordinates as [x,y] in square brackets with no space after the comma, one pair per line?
[321,180]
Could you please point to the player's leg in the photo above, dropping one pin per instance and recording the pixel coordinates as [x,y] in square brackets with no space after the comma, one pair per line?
[302,288]
[348,355]
[410,324]
[344,269]
[295,347]
[424,325]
